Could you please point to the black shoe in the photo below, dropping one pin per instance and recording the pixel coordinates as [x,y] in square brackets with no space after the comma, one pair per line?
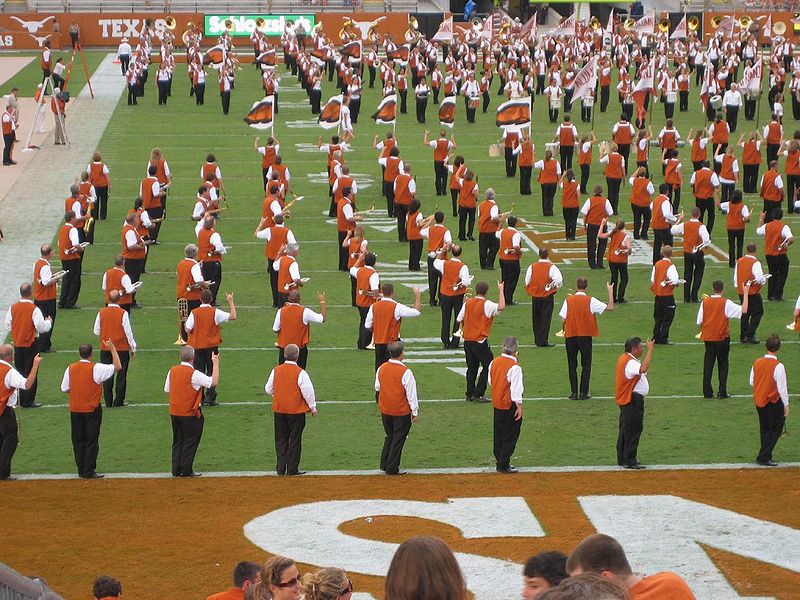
[621,301]
[470,238]
[211,402]
[509,470]
[722,396]
[92,475]
[480,399]
[767,463]
[192,474]
[434,303]
[708,396]
[398,473]
[512,303]
[297,473]
[34,405]
[137,305]
[546,345]
[585,397]
[9,478]
[573,396]
[752,341]
[635,466]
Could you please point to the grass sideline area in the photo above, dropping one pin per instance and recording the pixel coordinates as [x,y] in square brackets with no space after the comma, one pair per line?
[347,434]
[31,75]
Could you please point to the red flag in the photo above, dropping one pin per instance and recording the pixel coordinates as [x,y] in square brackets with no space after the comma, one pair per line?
[266,58]
[447,111]
[215,56]
[261,114]
[400,53]
[352,49]
[331,113]
[387,110]
[514,113]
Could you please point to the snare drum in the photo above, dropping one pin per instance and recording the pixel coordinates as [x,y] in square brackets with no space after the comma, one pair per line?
[588,101]
[672,97]
[555,102]
[496,150]
[474,102]
[716,102]
[552,146]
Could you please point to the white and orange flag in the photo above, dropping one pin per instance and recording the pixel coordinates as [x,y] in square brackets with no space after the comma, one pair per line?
[266,59]
[488,27]
[768,27]
[610,24]
[646,24]
[514,113]
[645,84]
[680,30]
[352,49]
[447,111]
[386,114]
[331,114]
[215,56]
[726,26]
[529,29]
[261,114]
[445,32]
[585,81]
[566,28]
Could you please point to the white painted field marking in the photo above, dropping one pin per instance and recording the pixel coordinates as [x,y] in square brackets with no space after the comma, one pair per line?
[458,370]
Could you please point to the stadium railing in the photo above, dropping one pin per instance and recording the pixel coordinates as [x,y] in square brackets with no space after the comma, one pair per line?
[14,586]
[232,6]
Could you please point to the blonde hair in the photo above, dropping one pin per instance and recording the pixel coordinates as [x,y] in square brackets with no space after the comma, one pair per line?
[156,155]
[271,574]
[325,584]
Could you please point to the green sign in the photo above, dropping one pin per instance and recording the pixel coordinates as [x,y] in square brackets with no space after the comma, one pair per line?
[244,25]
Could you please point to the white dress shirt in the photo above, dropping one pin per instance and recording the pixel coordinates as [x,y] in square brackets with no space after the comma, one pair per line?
[633,368]
[554,274]
[757,273]
[100,373]
[514,377]
[309,316]
[595,306]
[199,379]
[400,311]
[779,375]
[303,382]
[705,239]
[14,381]
[585,208]
[786,233]
[732,310]
[266,234]
[41,324]
[463,272]
[409,385]
[672,275]
[126,327]
[220,317]
[732,98]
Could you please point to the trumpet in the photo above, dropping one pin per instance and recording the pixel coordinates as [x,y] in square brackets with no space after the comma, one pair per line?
[58,275]
[699,247]
[199,285]
[621,251]
[550,285]
[463,283]
[74,249]
[183,314]
[213,252]
[666,282]
[293,284]
[784,243]
[364,212]
[754,282]
[170,23]
[376,294]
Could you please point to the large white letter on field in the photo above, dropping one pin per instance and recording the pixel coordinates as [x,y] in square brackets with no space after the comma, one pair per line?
[664,533]
[309,533]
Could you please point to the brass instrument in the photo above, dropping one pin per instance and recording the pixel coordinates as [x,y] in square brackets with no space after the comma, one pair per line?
[665,282]
[745,21]
[716,21]
[260,23]
[183,314]
[87,226]
[199,285]
[412,33]
[551,285]
[229,26]
[663,25]
[693,23]
[364,212]
[505,32]
[779,28]
[373,36]
[628,24]
[594,23]
[344,34]
[170,23]
[292,284]
[461,283]
[699,334]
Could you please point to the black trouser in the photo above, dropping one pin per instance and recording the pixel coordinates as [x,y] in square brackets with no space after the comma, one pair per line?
[509,273]
[548,198]
[156,212]
[525,180]
[752,318]
[440,177]
[693,266]
[434,277]
[124,62]
[541,315]
[422,106]
[86,439]
[451,306]
[770,424]
[400,212]
[769,208]
[584,177]
[772,152]
[202,362]
[163,88]
[595,246]
[732,116]
[619,279]
[505,435]
[641,221]
[134,267]
[683,98]
[344,252]
[212,271]
[511,162]
[396,429]
[273,282]
[779,269]
[613,192]
[414,254]
[388,191]
[727,190]
[9,440]
[372,72]
[792,183]
[750,109]
[71,283]
[706,206]
[226,101]
[465,230]
[716,352]
[488,245]
[101,208]
[631,425]
[403,101]
[316,101]
[570,222]
[604,94]
[48,308]
[566,157]
[186,434]
[381,354]
[486,100]
[478,354]
[663,315]
[625,151]
[288,441]
[470,111]
[121,378]
[133,90]
[553,114]
[582,345]
[735,245]
[586,113]
[364,334]
[661,237]
[8,144]
[23,362]
[302,359]
[454,200]
[200,94]
[355,109]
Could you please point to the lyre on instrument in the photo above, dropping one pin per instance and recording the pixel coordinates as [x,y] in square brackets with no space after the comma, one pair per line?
[183,314]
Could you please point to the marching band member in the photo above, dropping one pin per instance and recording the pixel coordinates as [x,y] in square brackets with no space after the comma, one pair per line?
[404,190]
[595,211]
[771,397]
[510,141]
[773,134]
[579,316]
[455,279]
[728,169]
[384,319]
[467,203]
[281,170]
[113,323]
[439,241]
[585,158]
[616,168]
[70,252]
[732,101]
[441,150]
[292,324]
[641,191]
[748,271]
[45,290]
[619,248]
[735,223]
[268,152]
[567,137]
[288,271]
[471,92]
[510,253]
[792,169]
[83,381]
[25,321]
[185,384]
[525,152]
[713,320]
[477,317]
[489,221]
[542,280]
[630,388]
[210,253]
[225,87]
[663,219]
[695,238]
[11,383]
[663,281]
[771,190]
[9,134]
[367,292]
[751,159]
[777,239]
[505,377]
[277,236]
[549,176]
[116,279]
[99,178]
[134,251]
[292,397]
[203,327]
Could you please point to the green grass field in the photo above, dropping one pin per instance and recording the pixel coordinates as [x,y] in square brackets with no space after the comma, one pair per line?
[347,433]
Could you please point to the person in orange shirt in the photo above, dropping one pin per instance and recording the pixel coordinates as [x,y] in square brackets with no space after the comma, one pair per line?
[713,320]
[489,222]
[771,397]
[11,383]
[505,378]
[292,397]
[113,323]
[367,281]
[579,318]
[456,170]
[396,393]
[705,184]
[619,249]
[642,191]
[292,322]
[467,203]
[525,152]
[185,384]
[663,281]
[106,588]
[70,252]
[405,188]
[616,168]
[695,238]
[751,160]
[549,176]
[630,388]
[455,279]
[777,239]
[83,381]
[569,203]
[9,134]
[542,281]
[735,224]
[602,554]
[245,576]
[748,270]
[45,290]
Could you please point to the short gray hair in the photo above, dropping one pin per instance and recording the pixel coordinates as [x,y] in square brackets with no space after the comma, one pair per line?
[293,247]
[190,250]
[291,352]
[510,345]
[187,354]
[490,194]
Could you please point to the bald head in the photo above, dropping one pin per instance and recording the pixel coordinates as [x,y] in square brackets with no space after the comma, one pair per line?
[6,352]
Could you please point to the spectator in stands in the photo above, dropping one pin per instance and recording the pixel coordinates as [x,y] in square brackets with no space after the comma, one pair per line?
[106,587]
[603,555]
[280,580]
[327,584]
[542,572]
[588,586]
[424,568]
[245,576]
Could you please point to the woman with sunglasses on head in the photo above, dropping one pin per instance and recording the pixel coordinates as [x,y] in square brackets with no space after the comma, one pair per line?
[327,584]
[280,580]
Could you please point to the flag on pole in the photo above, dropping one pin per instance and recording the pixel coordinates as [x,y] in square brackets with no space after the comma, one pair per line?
[514,113]
[400,53]
[610,25]
[387,110]
[768,27]
[266,59]
[585,81]
[644,86]
[261,113]
[352,49]
[566,27]
[447,111]
[445,32]
[646,24]
[488,28]
[215,56]
[529,28]
[331,114]
[680,30]
[726,26]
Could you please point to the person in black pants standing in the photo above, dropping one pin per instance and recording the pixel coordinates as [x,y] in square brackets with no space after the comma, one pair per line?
[510,253]
[631,387]
[25,321]
[505,377]
[748,269]
[771,397]
[453,286]
[292,397]
[664,280]
[71,253]
[9,430]
[396,394]
[542,280]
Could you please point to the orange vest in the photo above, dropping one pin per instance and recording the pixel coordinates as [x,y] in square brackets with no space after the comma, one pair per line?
[440,150]
[485,223]
[206,332]
[569,194]
[278,234]
[148,200]
[402,194]
[566,137]
[734,220]
[671,174]
[744,273]
[615,243]
[660,586]
[720,135]
[344,181]
[385,328]
[436,233]
[585,158]
[501,387]
[466,197]
[507,244]
[23,331]
[691,236]
[450,278]
[597,210]
[114,282]
[135,254]
[84,393]
[715,323]
[42,292]
[526,155]
[773,238]
[392,168]
[353,249]
[111,328]
[392,398]
[266,210]
[765,390]
[5,392]
[751,155]
[699,153]
[268,158]
[210,169]
[669,141]
[623,387]
[703,188]
[284,278]
[362,286]
[793,162]
[185,280]
[96,175]
[659,222]
[659,275]
[774,133]
[184,400]
[477,325]
[286,396]
[549,172]
[639,194]
[581,321]
[614,169]
[726,171]
[412,229]
[770,191]
[623,135]
[65,244]
[205,249]
[293,330]
[540,277]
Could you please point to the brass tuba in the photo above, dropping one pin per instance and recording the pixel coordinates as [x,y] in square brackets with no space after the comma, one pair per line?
[412,34]
[594,23]
[779,28]
[229,26]
[628,24]
[260,22]
[170,23]
[744,22]
[716,21]
[693,23]
[663,25]
[344,34]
